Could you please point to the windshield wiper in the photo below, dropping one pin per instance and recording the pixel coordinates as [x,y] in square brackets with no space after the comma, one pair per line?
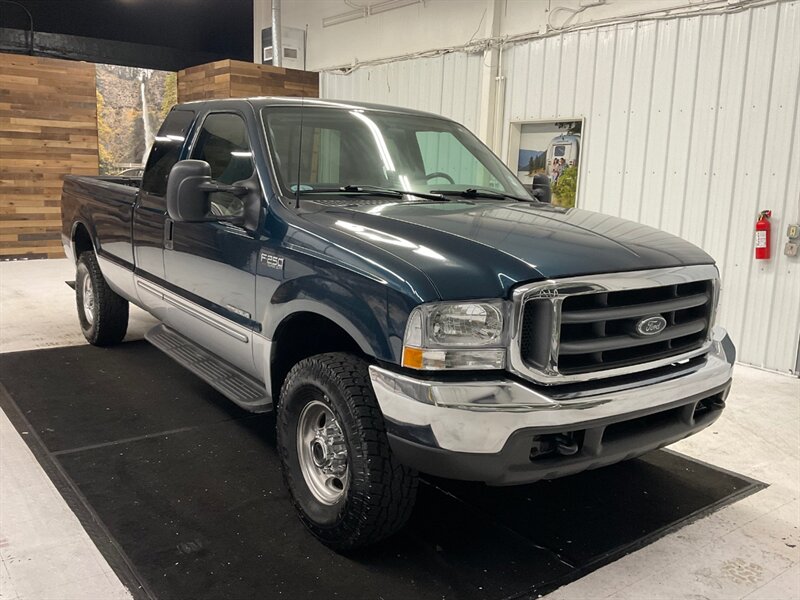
[479,193]
[374,190]
[381,190]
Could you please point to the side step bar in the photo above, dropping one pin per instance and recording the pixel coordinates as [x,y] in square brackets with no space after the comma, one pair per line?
[225,378]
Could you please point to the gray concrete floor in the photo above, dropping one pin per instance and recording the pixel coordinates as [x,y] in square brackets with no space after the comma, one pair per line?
[750,549]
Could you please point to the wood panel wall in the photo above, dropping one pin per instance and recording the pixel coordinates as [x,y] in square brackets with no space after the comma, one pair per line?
[48,128]
[236,79]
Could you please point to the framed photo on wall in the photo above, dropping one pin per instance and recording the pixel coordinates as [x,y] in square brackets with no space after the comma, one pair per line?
[551,149]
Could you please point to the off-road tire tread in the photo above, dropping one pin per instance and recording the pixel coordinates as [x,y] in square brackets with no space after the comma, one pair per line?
[383,494]
[111,309]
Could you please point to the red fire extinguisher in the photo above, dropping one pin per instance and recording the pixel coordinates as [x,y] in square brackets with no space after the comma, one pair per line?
[763,229]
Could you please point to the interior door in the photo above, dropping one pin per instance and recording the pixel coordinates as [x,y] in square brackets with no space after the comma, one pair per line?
[210,266]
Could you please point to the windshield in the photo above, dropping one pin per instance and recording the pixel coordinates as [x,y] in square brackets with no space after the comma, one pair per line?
[364,148]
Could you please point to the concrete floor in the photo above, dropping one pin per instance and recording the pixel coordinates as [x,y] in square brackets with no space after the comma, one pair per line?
[750,549]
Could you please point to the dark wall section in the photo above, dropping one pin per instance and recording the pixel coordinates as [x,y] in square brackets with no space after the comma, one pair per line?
[71,47]
[159,34]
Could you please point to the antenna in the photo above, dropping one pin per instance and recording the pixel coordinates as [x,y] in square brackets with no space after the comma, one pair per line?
[300,144]
[305,48]
[299,157]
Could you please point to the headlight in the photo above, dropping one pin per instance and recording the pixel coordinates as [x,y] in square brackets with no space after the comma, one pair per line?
[463,335]
[465,325]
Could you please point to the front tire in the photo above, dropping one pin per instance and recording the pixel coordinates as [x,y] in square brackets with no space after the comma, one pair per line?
[103,313]
[344,482]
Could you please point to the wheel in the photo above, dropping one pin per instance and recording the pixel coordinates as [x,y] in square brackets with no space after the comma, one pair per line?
[430,176]
[344,482]
[103,313]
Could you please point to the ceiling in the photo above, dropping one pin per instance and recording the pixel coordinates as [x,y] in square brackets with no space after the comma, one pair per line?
[222,27]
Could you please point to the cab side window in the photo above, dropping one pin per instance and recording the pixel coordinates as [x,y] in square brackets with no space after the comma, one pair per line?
[223,144]
[166,151]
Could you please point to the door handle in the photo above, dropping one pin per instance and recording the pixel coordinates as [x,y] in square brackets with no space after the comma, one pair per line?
[168,230]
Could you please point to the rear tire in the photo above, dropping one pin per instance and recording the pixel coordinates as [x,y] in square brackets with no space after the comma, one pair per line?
[344,482]
[102,312]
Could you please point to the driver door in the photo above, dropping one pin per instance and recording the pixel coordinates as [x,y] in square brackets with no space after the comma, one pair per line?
[211,266]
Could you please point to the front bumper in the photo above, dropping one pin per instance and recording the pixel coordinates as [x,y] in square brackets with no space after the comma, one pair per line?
[495,431]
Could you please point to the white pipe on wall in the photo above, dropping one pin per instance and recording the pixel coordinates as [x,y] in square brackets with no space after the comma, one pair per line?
[277,39]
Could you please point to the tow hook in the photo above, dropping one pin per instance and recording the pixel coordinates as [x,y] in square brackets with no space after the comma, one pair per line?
[565,445]
[716,402]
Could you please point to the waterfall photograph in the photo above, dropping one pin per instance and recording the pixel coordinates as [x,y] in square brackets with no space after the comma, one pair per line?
[131,104]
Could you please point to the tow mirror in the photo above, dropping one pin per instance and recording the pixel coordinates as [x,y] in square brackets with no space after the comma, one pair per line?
[188,188]
[186,199]
[541,190]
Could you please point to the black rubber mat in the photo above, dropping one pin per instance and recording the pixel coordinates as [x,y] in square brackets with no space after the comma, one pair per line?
[182,492]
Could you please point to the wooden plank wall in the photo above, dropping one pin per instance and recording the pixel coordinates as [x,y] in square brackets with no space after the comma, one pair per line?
[236,79]
[48,128]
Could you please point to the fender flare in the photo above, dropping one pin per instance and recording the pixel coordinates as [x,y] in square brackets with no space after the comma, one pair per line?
[89,229]
[332,300]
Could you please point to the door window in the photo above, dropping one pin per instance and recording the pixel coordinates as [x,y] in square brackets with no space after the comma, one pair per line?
[222,143]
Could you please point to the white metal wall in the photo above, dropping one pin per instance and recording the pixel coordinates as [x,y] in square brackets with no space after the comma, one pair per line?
[692,126]
[448,85]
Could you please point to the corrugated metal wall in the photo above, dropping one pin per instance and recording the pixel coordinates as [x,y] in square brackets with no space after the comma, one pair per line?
[448,85]
[692,126]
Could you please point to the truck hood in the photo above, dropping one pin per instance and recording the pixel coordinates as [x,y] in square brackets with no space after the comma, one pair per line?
[479,249]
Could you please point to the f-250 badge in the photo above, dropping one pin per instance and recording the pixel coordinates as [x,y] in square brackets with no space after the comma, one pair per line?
[272,262]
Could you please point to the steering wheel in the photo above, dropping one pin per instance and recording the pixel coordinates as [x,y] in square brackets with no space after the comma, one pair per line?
[430,176]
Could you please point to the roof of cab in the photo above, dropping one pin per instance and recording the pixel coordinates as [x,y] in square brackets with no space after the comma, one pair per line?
[269,101]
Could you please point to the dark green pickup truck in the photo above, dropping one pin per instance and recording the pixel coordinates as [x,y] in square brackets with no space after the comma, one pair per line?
[380,279]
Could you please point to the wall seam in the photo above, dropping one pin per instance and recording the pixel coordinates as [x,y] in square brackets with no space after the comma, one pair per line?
[608,119]
[746,299]
[669,128]
[628,120]
[691,125]
[647,128]
[774,281]
[714,130]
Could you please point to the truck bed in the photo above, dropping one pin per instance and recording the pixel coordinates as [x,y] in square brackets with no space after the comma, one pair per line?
[104,206]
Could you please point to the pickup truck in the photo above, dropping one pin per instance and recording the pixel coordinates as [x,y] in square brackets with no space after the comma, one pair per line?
[383,282]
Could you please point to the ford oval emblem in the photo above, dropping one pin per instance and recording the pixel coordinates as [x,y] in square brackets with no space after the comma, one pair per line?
[651,325]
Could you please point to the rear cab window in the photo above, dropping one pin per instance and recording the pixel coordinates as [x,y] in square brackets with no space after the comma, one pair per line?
[166,151]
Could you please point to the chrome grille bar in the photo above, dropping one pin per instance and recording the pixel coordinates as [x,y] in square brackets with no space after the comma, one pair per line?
[622,341]
[636,310]
[581,328]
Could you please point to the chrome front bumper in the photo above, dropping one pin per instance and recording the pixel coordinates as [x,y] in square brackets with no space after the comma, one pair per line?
[479,417]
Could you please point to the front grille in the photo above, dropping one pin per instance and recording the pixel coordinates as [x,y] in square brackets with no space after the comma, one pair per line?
[598,331]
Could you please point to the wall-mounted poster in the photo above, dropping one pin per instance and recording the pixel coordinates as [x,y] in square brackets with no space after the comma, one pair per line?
[551,149]
[131,104]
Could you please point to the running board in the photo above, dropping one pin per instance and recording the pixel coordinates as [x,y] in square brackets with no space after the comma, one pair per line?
[225,378]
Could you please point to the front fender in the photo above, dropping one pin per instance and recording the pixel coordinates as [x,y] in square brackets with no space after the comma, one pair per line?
[356,305]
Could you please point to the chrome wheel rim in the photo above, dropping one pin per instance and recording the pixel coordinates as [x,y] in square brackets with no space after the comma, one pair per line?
[322,453]
[88,299]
